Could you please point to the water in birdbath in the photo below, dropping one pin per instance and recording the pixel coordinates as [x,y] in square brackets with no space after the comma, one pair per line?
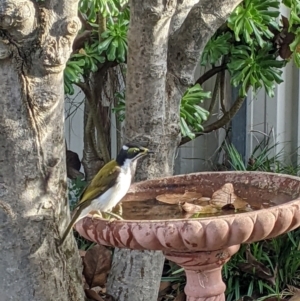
[197,204]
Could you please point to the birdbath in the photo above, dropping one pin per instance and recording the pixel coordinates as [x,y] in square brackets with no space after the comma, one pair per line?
[200,245]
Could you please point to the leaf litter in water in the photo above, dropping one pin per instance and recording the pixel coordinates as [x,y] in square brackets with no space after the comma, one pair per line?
[223,199]
[176,198]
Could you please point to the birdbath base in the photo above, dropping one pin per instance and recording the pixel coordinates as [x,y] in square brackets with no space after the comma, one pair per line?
[203,272]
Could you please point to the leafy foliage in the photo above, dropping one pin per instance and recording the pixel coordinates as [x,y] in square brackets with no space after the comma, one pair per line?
[294,28]
[113,44]
[263,158]
[91,57]
[256,69]
[275,263]
[115,41]
[254,20]
[80,64]
[105,8]
[248,44]
[216,47]
[191,114]
[119,109]
[72,74]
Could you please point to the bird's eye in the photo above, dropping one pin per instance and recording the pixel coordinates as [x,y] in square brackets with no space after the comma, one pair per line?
[133,151]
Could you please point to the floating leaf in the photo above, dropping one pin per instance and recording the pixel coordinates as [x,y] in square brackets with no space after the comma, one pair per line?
[223,196]
[239,203]
[176,198]
[192,208]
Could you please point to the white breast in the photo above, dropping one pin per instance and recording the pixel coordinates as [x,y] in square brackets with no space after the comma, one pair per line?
[113,195]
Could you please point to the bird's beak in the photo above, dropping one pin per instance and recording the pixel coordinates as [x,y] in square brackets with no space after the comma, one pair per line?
[147,151]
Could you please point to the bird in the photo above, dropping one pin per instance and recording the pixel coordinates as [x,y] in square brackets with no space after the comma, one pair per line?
[109,186]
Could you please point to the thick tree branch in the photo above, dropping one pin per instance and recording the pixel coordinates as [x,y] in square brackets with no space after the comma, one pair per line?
[215,94]
[97,122]
[89,132]
[148,123]
[81,39]
[92,159]
[227,117]
[84,22]
[210,73]
[182,10]
[63,8]
[222,91]
[148,42]
[101,26]
[187,43]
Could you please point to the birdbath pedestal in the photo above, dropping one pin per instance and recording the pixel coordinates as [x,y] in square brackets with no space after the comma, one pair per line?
[201,245]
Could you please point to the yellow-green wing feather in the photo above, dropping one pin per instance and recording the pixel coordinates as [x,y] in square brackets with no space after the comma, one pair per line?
[103,180]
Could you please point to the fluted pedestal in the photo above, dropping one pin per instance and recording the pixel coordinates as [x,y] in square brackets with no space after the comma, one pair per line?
[204,272]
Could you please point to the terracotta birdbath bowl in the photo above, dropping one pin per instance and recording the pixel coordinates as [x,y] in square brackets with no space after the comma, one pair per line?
[200,245]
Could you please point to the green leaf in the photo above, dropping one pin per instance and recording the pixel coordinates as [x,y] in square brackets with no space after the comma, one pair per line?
[296,57]
[105,44]
[111,53]
[99,58]
[249,67]
[185,129]
[251,20]
[121,51]
[92,15]
[190,111]
[216,47]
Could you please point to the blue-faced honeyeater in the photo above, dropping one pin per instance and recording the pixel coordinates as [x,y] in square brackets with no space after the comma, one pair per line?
[109,185]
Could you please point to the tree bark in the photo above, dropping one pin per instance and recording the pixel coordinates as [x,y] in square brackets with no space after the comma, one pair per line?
[165,40]
[36,41]
[102,87]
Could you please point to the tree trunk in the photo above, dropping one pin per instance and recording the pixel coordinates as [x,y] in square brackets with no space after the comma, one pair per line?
[91,160]
[165,40]
[36,41]
[102,87]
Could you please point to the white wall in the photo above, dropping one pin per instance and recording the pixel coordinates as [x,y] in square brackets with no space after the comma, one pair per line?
[74,110]
[278,116]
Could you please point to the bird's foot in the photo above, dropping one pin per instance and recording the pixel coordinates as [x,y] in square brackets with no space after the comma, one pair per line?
[97,214]
[118,209]
[111,220]
[114,215]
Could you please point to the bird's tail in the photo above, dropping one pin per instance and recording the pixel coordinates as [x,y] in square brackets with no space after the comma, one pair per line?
[70,226]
